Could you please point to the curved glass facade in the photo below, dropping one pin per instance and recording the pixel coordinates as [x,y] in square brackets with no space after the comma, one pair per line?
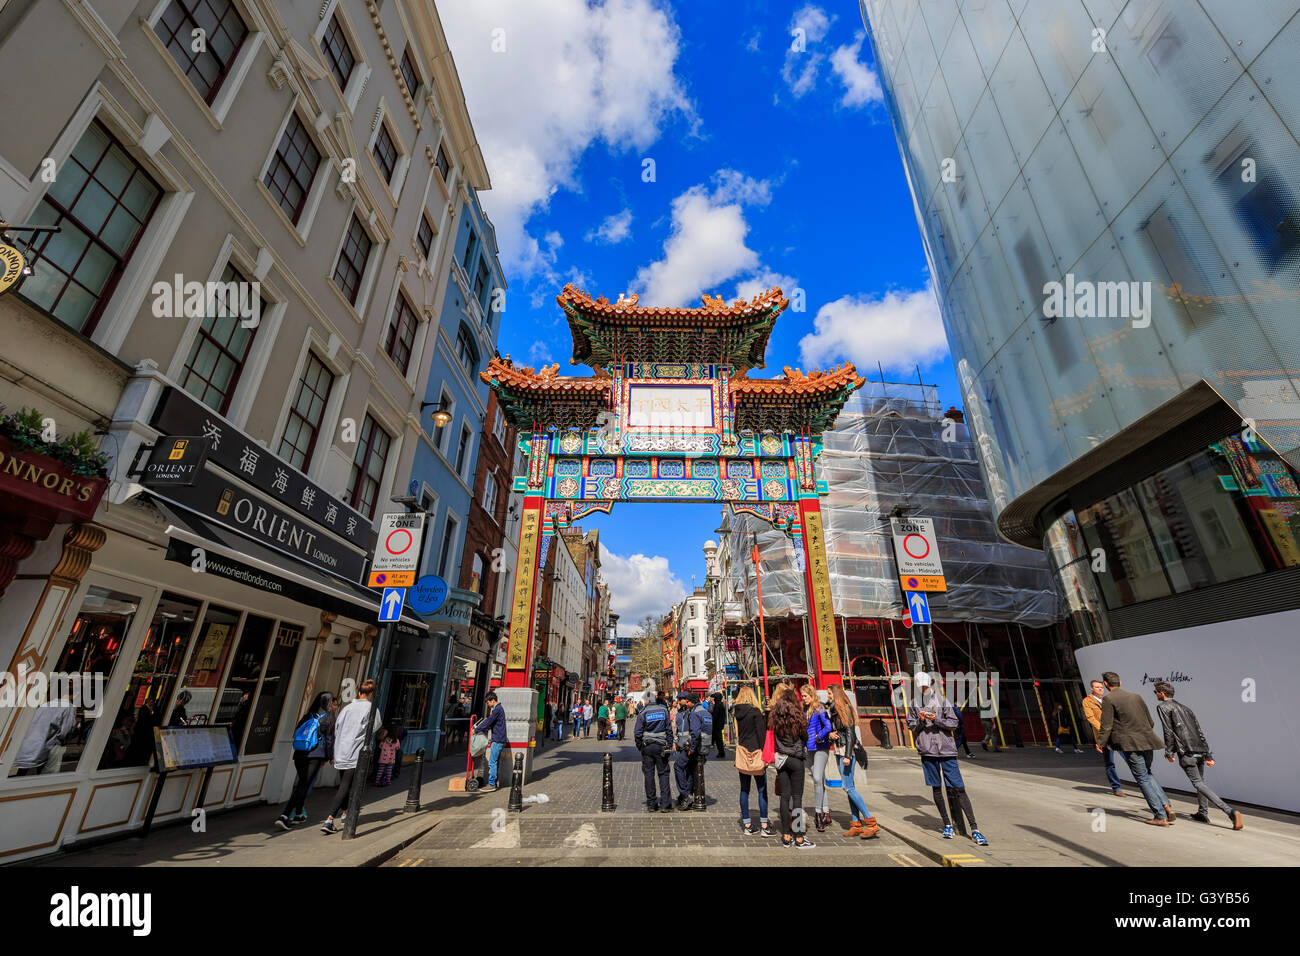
[1143,156]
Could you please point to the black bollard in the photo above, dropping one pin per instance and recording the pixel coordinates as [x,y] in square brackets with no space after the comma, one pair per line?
[517,785]
[884,736]
[697,785]
[417,778]
[607,785]
[954,810]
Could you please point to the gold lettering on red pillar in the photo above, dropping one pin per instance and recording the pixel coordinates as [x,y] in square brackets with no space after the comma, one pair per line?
[519,651]
[817,580]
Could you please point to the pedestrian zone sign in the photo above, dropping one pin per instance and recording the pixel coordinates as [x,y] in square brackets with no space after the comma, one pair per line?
[917,551]
[390,605]
[397,551]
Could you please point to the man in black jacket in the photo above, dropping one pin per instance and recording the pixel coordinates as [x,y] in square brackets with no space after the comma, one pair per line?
[719,715]
[653,737]
[1184,739]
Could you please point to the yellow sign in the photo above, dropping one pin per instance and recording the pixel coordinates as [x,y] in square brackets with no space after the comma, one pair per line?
[12,264]
[521,611]
[391,579]
[820,591]
[178,449]
[923,582]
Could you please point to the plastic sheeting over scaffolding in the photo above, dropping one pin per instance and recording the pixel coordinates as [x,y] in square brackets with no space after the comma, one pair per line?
[892,446]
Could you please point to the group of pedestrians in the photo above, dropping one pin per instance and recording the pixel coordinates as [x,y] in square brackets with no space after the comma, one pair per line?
[1123,725]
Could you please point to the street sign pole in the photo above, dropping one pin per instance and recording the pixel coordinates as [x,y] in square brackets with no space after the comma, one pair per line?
[378,671]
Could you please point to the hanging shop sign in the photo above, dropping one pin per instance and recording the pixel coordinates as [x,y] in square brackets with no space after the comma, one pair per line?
[12,264]
[176,460]
[427,596]
[229,448]
[232,506]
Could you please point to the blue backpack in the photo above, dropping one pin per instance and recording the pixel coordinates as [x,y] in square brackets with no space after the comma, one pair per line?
[307,737]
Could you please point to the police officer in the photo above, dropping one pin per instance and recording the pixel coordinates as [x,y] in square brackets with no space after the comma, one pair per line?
[653,736]
[687,744]
[702,728]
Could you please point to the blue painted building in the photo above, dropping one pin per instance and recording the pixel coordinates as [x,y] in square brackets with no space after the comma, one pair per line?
[453,661]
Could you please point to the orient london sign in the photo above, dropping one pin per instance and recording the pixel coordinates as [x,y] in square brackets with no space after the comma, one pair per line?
[917,550]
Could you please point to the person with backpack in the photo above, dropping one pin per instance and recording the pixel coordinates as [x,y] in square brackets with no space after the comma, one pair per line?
[313,745]
[789,726]
[687,744]
[751,732]
[844,739]
[602,722]
[932,719]
[652,737]
[819,752]
[351,727]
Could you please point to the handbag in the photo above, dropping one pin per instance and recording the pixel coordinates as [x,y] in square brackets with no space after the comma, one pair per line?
[769,748]
[750,761]
[860,754]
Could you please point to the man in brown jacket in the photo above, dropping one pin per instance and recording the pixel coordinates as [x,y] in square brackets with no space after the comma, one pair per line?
[1092,711]
[1126,726]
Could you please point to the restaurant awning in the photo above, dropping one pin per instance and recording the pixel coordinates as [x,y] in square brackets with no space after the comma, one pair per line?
[235,558]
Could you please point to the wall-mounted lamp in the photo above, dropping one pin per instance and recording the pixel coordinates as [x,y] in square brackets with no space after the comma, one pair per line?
[441,416]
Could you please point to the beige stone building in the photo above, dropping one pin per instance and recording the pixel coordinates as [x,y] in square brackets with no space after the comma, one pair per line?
[256,205]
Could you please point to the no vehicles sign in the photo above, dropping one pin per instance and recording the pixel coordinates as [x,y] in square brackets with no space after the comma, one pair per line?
[917,550]
[397,552]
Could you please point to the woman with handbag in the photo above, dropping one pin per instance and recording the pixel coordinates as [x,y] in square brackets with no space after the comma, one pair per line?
[789,729]
[751,733]
[844,720]
[819,753]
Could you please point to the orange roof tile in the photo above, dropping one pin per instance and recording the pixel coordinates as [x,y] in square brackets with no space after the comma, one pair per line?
[714,311]
[526,378]
[794,383]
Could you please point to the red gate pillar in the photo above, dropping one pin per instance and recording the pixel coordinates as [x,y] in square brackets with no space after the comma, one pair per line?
[817,582]
[519,647]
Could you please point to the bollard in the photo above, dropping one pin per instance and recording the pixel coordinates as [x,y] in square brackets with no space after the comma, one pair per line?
[885,742]
[697,788]
[516,804]
[607,786]
[417,778]
[954,810]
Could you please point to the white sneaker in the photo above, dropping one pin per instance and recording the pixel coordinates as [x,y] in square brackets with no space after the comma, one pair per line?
[1059,750]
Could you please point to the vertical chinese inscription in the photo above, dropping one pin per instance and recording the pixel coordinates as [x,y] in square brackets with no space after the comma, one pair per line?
[521,617]
[819,587]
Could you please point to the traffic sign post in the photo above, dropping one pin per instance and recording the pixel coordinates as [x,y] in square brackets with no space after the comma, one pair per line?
[919,606]
[397,551]
[916,550]
[390,605]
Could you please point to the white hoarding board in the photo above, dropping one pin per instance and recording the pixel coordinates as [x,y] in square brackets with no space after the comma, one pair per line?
[1237,677]
[670,406]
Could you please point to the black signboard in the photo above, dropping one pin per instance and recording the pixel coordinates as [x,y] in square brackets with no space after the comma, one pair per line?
[230,505]
[175,460]
[179,414]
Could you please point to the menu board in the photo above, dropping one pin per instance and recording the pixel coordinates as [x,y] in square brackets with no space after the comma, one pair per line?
[180,748]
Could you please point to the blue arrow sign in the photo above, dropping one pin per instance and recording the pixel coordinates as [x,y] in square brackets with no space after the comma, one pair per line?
[920,606]
[390,605]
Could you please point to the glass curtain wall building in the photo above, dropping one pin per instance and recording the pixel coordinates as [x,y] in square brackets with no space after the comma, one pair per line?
[1107,194]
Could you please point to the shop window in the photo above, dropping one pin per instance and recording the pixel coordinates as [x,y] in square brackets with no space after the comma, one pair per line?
[245,670]
[411,699]
[157,668]
[193,704]
[56,737]
[101,201]
[275,688]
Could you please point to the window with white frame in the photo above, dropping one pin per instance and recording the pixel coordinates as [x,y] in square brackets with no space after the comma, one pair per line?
[490,495]
[102,201]
[224,32]
[446,554]
[462,450]
[306,413]
[220,350]
[351,264]
[499,427]
[368,467]
[338,53]
[440,431]
[293,169]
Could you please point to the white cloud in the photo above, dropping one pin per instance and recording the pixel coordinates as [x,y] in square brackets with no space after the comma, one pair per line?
[802,65]
[861,85]
[572,73]
[706,244]
[639,585]
[898,330]
[614,229]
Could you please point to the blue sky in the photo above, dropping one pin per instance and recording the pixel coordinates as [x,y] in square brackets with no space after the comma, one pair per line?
[771,166]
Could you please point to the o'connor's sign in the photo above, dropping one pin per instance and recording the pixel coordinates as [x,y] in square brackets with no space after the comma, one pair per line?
[11,264]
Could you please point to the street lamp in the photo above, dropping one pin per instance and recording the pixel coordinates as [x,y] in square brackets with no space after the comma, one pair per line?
[441,415]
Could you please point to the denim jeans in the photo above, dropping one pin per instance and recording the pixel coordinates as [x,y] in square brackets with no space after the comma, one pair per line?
[1108,758]
[557,729]
[494,757]
[745,778]
[857,806]
[1139,762]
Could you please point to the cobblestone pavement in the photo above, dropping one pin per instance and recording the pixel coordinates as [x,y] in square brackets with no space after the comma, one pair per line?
[570,829]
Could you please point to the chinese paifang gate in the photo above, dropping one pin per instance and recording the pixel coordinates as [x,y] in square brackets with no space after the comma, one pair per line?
[670,414]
